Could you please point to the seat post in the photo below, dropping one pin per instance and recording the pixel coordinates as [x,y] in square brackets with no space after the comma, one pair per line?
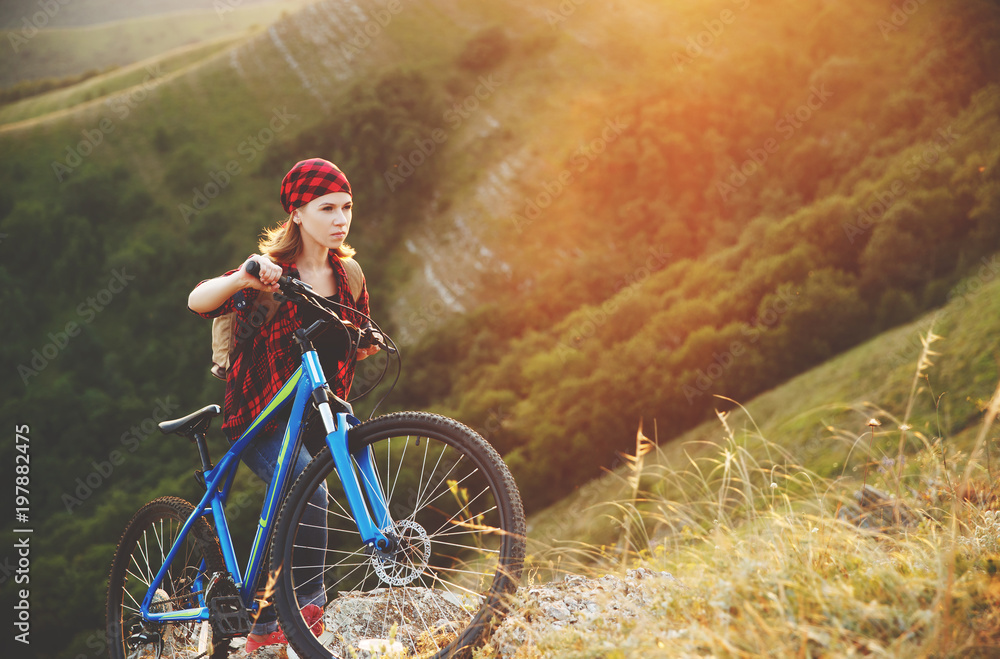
[206,460]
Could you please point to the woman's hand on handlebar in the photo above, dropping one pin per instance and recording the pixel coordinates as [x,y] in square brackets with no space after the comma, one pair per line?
[267,275]
[368,343]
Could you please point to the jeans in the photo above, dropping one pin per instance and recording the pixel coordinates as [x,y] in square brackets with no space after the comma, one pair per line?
[308,559]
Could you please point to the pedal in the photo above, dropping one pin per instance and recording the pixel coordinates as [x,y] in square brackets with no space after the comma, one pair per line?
[228,616]
[226,612]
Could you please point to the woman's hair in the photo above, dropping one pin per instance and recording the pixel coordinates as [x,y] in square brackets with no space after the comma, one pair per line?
[283,243]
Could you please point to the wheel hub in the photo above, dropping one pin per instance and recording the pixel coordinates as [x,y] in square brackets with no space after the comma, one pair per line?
[407,558]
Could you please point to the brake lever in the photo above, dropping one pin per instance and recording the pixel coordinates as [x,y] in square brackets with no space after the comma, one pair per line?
[374,338]
[293,284]
[285,282]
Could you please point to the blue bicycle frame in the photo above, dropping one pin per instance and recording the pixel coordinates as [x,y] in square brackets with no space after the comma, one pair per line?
[308,382]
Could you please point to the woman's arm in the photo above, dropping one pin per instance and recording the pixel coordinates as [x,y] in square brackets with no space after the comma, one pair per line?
[212,294]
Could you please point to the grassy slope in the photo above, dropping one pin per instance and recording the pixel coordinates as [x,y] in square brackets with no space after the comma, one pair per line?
[92,12]
[109,84]
[819,416]
[59,52]
[757,522]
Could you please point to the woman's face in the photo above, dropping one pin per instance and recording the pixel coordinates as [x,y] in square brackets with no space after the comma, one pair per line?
[326,220]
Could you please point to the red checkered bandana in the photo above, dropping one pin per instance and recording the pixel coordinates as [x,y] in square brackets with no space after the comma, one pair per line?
[310,179]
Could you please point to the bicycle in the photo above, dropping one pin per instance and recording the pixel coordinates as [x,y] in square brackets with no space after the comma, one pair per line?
[424,540]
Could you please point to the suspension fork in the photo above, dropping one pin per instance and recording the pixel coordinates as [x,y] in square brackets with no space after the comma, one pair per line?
[372,532]
[364,495]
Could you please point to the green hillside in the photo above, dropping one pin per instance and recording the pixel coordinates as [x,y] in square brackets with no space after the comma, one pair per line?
[16,13]
[107,87]
[755,519]
[743,227]
[573,217]
[54,53]
[819,419]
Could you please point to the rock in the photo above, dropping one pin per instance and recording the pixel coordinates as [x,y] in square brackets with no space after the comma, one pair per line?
[589,605]
[557,611]
[879,510]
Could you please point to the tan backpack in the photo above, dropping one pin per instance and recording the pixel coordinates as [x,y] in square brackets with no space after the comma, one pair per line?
[228,331]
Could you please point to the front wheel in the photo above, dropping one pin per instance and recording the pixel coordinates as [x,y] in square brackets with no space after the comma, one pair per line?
[458,532]
[141,552]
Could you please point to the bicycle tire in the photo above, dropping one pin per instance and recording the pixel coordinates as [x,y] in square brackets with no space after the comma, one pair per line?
[463,524]
[140,553]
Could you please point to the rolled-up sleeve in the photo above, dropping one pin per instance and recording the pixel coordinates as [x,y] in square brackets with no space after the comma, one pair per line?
[249,294]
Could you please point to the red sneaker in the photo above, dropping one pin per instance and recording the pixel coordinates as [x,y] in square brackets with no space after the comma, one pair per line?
[314,618]
[274,638]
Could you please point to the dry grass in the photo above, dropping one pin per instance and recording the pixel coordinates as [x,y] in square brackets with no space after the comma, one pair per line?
[780,562]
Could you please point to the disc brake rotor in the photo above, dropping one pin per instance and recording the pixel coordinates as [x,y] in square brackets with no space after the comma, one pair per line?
[407,561]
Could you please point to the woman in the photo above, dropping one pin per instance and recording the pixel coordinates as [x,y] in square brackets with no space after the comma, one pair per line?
[310,247]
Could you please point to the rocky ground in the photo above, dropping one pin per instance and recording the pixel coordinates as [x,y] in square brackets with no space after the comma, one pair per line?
[589,607]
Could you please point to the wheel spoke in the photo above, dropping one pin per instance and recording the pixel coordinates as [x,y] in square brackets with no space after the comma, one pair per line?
[141,553]
[456,526]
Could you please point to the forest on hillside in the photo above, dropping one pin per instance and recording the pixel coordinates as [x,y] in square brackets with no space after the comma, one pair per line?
[761,186]
[744,226]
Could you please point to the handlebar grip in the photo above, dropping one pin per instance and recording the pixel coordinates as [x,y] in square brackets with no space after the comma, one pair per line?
[253,269]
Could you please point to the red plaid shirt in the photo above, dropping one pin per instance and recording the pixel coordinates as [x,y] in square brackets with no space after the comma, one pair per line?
[261,365]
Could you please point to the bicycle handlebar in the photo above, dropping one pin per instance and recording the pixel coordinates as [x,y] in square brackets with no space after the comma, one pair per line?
[292,287]
[284,282]
[372,334]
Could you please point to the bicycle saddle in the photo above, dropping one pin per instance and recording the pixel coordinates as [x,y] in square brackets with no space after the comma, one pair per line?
[192,423]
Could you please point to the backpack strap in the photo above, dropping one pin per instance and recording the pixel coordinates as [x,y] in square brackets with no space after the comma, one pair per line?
[230,331]
[355,277]
[262,312]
